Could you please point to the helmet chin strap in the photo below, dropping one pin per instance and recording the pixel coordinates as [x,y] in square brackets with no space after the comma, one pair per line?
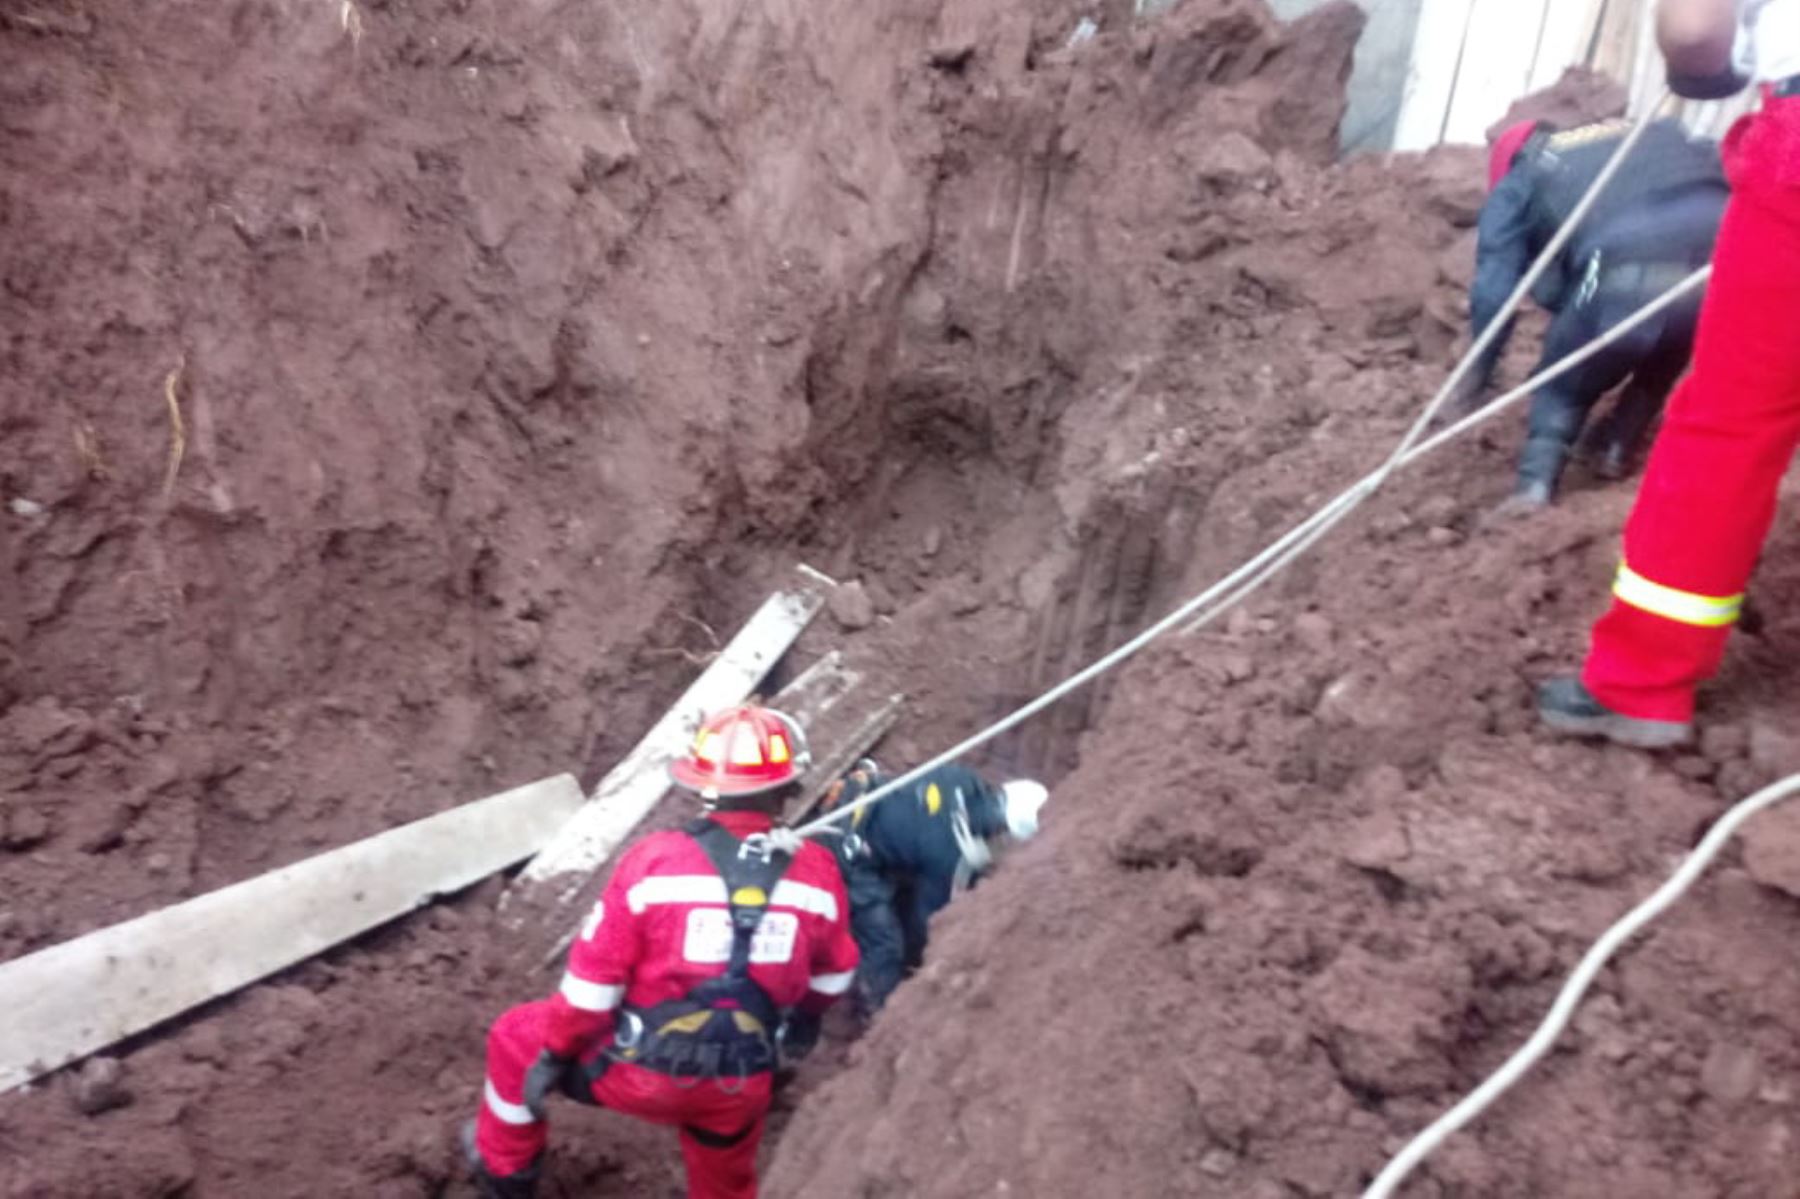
[766,802]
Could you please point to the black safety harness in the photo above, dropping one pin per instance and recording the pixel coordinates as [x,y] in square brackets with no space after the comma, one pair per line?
[725,1027]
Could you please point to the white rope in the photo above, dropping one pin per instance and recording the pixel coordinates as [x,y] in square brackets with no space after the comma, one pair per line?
[1326,518]
[1423,1145]
[1232,589]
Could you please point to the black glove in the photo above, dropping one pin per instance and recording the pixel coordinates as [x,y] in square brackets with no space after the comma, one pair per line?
[857,782]
[544,1076]
[797,1037]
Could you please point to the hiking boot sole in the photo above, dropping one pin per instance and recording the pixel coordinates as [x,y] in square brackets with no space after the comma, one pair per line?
[1622,730]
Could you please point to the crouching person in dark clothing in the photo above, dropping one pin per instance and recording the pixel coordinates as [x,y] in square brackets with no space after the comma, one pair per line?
[904,857]
[1652,226]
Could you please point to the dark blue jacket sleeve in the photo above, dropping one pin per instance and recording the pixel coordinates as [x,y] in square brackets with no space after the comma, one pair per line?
[1502,256]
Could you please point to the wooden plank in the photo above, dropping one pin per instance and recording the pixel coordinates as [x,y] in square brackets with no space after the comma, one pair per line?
[1569,27]
[1496,66]
[1644,77]
[1616,44]
[1431,78]
[70,1000]
[556,876]
[816,690]
[840,751]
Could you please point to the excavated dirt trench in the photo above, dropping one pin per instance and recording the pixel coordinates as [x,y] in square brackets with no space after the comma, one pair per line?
[401,397]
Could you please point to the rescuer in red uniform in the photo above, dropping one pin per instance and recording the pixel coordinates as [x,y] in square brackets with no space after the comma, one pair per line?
[1708,495]
[709,958]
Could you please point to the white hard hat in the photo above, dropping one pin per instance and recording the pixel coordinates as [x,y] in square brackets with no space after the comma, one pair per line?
[1022,799]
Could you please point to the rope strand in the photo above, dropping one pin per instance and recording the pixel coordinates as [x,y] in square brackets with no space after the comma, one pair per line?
[1232,589]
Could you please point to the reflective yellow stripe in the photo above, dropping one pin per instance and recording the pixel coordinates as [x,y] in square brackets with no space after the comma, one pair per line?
[1706,611]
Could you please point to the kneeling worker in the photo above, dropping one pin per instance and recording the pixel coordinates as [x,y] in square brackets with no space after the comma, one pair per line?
[707,961]
[1652,226]
[904,857]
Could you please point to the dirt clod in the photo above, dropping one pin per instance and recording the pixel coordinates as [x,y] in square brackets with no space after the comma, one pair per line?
[1724,742]
[1579,97]
[22,826]
[1730,1073]
[1772,848]
[851,606]
[1314,632]
[1774,749]
[1377,842]
[98,1085]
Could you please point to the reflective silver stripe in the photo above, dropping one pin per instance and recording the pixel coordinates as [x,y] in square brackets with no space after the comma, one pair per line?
[710,888]
[676,888]
[511,1113]
[976,854]
[806,897]
[833,984]
[591,997]
[1683,607]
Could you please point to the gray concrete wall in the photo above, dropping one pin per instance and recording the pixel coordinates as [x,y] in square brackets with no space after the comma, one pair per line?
[1382,58]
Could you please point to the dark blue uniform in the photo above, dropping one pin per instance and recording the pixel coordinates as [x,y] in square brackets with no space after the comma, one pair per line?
[901,860]
[1653,225]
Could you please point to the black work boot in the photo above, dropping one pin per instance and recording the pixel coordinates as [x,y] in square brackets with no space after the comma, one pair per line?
[1540,466]
[521,1185]
[1613,462]
[1533,493]
[1528,498]
[1615,444]
[1566,705]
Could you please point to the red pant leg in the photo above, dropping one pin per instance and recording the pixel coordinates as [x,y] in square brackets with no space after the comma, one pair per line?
[507,1135]
[1708,495]
[717,1171]
[727,1172]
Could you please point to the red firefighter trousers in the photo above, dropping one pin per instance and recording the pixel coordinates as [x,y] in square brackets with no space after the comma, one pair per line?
[509,1139]
[1708,496]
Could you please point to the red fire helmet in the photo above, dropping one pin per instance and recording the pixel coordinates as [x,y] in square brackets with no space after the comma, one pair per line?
[742,751]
